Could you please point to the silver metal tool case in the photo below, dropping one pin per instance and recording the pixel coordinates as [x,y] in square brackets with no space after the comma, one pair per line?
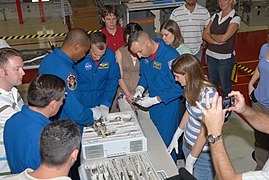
[136,166]
[120,134]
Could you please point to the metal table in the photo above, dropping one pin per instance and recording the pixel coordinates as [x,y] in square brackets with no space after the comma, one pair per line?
[156,147]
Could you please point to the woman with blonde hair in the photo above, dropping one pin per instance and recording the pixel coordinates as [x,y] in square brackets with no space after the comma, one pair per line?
[189,73]
[172,36]
[220,35]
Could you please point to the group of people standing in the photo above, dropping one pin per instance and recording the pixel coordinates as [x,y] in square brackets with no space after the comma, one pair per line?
[175,59]
[157,73]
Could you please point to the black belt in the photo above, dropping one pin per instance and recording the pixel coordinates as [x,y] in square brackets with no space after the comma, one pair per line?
[189,147]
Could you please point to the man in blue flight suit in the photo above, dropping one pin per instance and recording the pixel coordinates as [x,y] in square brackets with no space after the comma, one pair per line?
[61,62]
[156,76]
[98,74]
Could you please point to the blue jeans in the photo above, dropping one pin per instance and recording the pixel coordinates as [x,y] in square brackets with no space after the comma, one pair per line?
[221,71]
[203,168]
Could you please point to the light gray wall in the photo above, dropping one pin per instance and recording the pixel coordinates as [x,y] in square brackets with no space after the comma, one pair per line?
[30,10]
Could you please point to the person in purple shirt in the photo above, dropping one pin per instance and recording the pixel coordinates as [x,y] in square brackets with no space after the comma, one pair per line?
[260,102]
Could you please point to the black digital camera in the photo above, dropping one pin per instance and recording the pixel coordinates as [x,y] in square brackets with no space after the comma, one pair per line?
[228,102]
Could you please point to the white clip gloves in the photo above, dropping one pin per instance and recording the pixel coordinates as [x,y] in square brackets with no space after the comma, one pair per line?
[139,91]
[96,113]
[104,111]
[190,161]
[148,101]
[174,142]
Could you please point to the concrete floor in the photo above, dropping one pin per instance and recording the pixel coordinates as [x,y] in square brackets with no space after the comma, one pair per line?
[239,141]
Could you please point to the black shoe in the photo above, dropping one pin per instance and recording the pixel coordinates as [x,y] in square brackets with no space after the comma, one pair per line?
[227,115]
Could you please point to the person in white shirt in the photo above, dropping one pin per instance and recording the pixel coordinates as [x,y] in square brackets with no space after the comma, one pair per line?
[192,19]
[11,74]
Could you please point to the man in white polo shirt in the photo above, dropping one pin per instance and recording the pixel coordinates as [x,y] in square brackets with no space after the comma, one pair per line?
[11,74]
[192,19]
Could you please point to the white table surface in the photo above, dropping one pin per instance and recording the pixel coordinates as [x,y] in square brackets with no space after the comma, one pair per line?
[156,147]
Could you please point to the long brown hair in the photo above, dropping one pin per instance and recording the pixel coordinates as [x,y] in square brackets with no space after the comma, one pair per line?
[173,28]
[196,79]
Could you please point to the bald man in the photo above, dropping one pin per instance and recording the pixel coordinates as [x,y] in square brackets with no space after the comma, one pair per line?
[155,75]
[61,62]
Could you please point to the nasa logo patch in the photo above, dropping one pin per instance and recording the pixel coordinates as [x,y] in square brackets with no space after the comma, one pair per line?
[88,66]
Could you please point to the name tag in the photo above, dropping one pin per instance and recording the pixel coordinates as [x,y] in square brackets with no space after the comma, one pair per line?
[157,65]
[103,65]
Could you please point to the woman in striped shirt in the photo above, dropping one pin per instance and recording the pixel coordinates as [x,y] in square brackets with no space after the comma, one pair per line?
[189,73]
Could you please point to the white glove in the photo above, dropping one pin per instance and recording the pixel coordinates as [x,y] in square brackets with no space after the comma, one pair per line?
[190,161]
[174,142]
[104,111]
[139,91]
[148,101]
[96,113]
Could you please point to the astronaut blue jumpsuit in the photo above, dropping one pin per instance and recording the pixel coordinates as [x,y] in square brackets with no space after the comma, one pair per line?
[98,80]
[59,64]
[158,78]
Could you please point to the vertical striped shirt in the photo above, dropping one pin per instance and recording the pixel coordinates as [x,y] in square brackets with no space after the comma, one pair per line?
[191,25]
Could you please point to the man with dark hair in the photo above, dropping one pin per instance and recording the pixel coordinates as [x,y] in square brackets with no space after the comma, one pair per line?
[113,32]
[61,62]
[59,145]
[156,76]
[192,19]
[98,74]
[45,96]
[11,73]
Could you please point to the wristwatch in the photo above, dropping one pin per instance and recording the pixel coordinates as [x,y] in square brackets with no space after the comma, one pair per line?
[212,138]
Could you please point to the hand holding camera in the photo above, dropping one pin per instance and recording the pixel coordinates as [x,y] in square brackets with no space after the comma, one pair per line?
[227,102]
